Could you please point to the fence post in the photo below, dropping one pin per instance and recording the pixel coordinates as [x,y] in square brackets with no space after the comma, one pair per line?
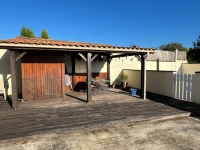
[178,86]
[176,55]
[185,86]
[175,85]
[158,63]
[181,86]
[188,88]
[192,92]
[175,59]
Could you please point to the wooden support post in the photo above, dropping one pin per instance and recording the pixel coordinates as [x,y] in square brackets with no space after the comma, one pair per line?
[13,79]
[89,68]
[108,68]
[73,71]
[63,76]
[143,76]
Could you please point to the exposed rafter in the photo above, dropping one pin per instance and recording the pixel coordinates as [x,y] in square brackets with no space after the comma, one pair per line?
[138,57]
[82,57]
[94,57]
[20,56]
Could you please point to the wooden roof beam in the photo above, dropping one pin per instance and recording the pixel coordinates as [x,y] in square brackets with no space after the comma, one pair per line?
[123,55]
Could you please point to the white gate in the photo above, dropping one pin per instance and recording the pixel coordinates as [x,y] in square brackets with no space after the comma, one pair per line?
[184,86]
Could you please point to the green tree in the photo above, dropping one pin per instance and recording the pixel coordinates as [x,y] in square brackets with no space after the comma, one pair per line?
[197,44]
[27,32]
[172,47]
[193,55]
[44,34]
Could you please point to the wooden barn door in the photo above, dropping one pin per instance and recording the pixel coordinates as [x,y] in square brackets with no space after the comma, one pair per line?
[42,76]
[53,75]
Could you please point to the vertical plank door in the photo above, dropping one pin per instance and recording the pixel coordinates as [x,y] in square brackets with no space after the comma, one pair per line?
[42,76]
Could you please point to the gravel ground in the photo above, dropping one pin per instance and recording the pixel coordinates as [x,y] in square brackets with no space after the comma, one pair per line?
[181,133]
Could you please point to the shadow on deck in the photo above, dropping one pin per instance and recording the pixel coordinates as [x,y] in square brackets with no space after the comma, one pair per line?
[113,95]
[116,107]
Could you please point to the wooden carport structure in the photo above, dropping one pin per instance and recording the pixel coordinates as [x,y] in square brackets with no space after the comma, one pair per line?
[25,45]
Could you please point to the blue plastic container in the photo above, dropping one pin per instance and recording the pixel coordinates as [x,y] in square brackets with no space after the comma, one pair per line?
[133,92]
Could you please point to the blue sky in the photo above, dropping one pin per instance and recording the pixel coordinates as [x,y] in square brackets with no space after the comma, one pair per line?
[145,23]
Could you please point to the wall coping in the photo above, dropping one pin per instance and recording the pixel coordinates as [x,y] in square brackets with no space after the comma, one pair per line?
[151,70]
[190,64]
[161,61]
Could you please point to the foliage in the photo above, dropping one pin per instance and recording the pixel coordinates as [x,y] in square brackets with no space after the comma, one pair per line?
[197,44]
[44,34]
[172,47]
[27,32]
[193,55]
[123,77]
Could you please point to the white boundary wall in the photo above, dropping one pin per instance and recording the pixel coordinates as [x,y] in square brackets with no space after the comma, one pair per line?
[159,82]
[197,88]
[5,71]
[131,62]
[190,68]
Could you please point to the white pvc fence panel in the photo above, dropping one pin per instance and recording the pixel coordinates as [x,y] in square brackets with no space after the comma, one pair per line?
[184,86]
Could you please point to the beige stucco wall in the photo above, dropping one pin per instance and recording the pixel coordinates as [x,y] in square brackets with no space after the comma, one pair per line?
[196,88]
[134,78]
[118,64]
[131,62]
[163,66]
[99,66]
[159,82]
[190,68]
[5,70]
[179,64]
[80,65]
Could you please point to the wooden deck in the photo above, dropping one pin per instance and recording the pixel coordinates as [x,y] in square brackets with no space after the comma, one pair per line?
[63,115]
[73,98]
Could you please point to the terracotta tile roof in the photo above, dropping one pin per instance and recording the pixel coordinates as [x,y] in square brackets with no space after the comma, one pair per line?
[41,41]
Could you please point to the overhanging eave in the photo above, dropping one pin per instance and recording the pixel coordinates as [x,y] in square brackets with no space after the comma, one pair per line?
[74,48]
